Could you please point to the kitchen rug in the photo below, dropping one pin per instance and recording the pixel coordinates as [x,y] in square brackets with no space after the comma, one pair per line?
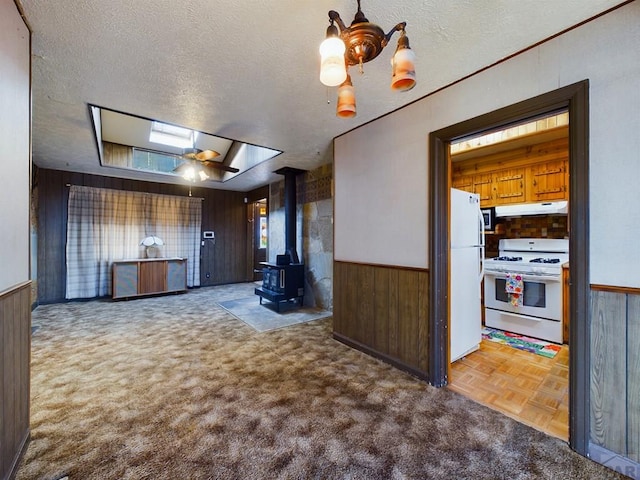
[528,344]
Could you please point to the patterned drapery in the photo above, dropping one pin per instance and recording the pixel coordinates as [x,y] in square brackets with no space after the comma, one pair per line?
[105,225]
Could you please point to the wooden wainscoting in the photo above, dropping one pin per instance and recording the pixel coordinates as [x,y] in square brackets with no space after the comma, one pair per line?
[615,370]
[383,311]
[15,353]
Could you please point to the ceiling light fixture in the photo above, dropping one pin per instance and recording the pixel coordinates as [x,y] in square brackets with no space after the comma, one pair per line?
[195,171]
[358,44]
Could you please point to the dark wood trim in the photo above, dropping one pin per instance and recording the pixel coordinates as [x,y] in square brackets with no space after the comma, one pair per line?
[382,356]
[15,288]
[440,181]
[24,444]
[394,267]
[573,98]
[579,311]
[614,289]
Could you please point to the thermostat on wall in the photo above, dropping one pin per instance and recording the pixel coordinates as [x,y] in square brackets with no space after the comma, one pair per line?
[208,235]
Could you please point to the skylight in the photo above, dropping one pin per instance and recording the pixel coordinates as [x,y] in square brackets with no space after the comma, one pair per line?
[528,128]
[142,144]
[171,135]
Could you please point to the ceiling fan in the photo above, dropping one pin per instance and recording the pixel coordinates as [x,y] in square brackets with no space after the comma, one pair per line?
[202,159]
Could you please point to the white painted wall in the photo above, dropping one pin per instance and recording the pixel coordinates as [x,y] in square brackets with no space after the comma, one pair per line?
[14,147]
[381,207]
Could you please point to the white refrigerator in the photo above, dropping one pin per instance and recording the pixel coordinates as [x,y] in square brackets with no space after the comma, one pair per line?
[466,272]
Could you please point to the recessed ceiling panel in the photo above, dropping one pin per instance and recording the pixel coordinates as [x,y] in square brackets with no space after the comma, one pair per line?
[229,159]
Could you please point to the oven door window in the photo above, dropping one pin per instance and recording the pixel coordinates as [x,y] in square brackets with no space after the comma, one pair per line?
[534,293]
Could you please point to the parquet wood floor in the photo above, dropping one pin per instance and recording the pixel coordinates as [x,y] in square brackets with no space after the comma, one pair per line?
[527,387]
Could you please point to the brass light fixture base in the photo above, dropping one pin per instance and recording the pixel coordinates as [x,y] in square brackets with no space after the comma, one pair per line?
[363,40]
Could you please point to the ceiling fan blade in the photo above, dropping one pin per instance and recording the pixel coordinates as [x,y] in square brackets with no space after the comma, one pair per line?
[206,155]
[220,166]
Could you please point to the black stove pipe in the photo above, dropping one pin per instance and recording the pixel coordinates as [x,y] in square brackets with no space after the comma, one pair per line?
[290,194]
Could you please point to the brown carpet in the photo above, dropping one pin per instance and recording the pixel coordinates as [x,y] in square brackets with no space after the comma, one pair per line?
[176,387]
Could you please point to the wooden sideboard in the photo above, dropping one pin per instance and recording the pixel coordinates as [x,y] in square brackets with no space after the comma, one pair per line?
[148,276]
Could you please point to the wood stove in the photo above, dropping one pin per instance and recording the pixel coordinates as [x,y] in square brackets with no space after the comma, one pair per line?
[284,280]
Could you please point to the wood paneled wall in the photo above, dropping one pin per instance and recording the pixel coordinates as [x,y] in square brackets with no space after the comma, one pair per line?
[15,355]
[383,311]
[223,212]
[615,371]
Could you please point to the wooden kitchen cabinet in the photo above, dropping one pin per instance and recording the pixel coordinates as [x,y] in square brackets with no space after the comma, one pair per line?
[509,186]
[548,181]
[482,184]
[463,182]
[148,276]
[521,174]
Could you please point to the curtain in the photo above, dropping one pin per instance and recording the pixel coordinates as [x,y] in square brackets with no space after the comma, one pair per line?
[104,225]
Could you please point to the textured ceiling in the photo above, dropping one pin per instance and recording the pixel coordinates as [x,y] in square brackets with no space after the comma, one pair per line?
[248,70]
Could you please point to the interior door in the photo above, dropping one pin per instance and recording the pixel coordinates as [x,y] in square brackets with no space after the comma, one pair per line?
[259,237]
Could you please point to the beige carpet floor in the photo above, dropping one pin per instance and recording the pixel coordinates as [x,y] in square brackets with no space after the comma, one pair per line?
[177,388]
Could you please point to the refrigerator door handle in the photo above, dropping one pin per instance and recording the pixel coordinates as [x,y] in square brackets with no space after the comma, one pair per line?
[481,229]
[482,247]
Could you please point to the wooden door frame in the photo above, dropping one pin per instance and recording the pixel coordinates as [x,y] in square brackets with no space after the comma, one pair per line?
[575,99]
[250,240]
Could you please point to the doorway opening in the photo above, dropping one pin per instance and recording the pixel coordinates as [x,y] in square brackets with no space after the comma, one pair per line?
[492,359]
[574,99]
[257,235]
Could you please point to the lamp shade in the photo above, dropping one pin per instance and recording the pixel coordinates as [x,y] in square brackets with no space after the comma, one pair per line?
[333,70]
[346,99]
[151,241]
[403,75]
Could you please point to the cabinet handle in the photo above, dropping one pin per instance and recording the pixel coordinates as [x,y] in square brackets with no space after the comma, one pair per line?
[509,195]
[512,177]
[548,172]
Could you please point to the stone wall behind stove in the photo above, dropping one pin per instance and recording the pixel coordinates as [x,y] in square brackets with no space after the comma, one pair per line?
[314,220]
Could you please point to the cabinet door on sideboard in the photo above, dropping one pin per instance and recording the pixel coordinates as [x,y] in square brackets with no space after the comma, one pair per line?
[152,277]
[176,275]
[125,279]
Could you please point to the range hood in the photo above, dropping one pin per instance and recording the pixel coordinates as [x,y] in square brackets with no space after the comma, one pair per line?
[541,208]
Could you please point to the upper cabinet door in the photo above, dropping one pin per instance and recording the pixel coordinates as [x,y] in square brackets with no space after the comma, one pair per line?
[483,186]
[549,181]
[509,186]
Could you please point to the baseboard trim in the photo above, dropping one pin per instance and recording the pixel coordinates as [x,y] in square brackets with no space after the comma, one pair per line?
[13,471]
[399,364]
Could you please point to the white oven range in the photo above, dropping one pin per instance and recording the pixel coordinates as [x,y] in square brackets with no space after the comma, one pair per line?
[539,261]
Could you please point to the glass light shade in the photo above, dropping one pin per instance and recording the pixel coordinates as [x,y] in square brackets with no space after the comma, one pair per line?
[333,70]
[346,100]
[189,174]
[203,175]
[403,75]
